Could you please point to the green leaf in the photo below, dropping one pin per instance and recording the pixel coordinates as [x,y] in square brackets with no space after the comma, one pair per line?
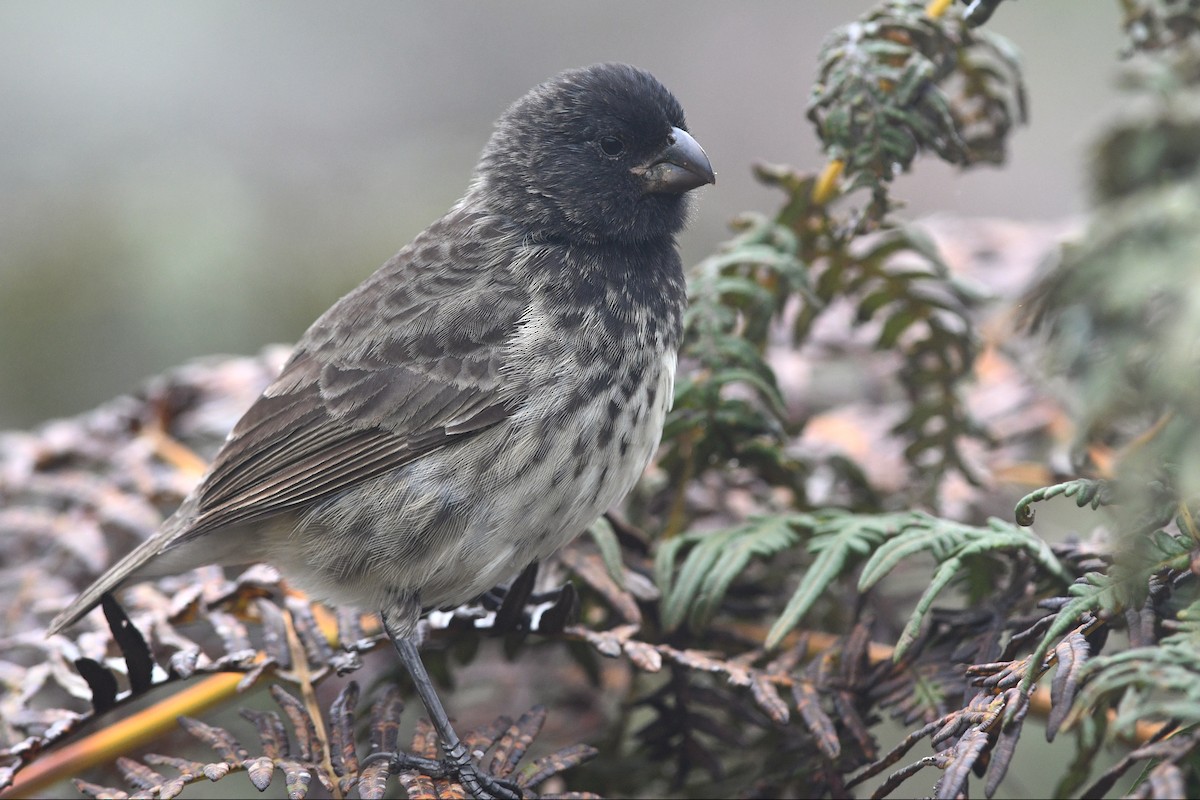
[610,549]
[837,541]
[713,562]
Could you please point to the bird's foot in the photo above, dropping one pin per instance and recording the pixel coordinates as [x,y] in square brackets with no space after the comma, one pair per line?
[456,766]
[480,784]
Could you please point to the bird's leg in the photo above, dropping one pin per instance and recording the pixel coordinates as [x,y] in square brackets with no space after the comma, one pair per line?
[481,785]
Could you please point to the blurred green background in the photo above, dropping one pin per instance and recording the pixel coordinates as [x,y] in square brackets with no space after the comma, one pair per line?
[184,178]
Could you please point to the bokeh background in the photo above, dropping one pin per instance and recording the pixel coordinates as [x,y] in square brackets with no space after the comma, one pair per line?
[186,178]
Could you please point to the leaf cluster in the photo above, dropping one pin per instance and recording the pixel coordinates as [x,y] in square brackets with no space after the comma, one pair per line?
[898,81]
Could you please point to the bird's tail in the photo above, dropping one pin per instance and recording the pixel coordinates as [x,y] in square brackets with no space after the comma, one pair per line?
[110,581]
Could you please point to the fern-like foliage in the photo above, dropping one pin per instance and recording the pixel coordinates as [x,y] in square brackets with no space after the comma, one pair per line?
[734,296]
[708,561]
[900,285]
[301,748]
[1085,491]
[898,81]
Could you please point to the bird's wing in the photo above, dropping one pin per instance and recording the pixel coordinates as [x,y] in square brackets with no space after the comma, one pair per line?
[410,361]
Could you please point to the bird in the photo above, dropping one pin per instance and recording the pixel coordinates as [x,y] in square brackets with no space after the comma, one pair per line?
[480,399]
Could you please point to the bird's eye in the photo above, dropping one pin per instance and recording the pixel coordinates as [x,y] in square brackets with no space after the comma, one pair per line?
[612,146]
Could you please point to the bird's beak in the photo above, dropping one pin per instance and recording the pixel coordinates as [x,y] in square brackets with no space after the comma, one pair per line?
[679,167]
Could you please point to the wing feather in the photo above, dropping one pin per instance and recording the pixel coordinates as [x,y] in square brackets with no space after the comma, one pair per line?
[411,361]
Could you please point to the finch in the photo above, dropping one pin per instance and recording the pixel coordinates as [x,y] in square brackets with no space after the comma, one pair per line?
[480,399]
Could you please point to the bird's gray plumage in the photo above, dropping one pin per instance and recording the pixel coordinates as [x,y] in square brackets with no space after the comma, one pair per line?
[482,397]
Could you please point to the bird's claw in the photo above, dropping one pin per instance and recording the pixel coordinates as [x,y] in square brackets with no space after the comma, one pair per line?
[457,765]
[480,784]
[483,786]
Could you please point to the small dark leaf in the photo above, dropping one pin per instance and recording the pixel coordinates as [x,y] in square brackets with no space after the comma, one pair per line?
[645,657]
[766,694]
[1006,744]
[297,777]
[101,681]
[316,645]
[182,663]
[1072,654]
[808,703]
[512,608]
[372,782]
[385,721]
[219,739]
[271,733]
[274,633]
[559,761]
[963,756]
[1165,781]
[416,784]
[187,769]
[591,569]
[138,775]
[233,633]
[133,646]
[515,742]
[342,751]
[482,738]
[260,771]
[97,791]
[564,611]
[312,748]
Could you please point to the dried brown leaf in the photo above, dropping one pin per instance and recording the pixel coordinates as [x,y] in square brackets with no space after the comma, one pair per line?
[274,633]
[1006,743]
[261,770]
[961,760]
[482,738]
[425,744]
[1165,782]
[234,636]
[591,569]
[312,746]
[848,716]
[645,657]
[558,761]
[343,753]
[316,646]
[219,739]
[384,736]
[217,770]
[516,740]
[296,776]
[385,721]
[186,768]
[766,694]
[137,774]
[271,732]
[808,703]
[183,662]
[372,781]
[97,791]
[609,643]
[1071,654]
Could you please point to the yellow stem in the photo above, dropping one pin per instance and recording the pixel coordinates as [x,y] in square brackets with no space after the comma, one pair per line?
[827,184]
[935,8]
[137,731]
[304,678]
[122,737]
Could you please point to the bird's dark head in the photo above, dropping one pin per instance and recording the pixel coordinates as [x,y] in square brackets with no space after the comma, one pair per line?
[599,154]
